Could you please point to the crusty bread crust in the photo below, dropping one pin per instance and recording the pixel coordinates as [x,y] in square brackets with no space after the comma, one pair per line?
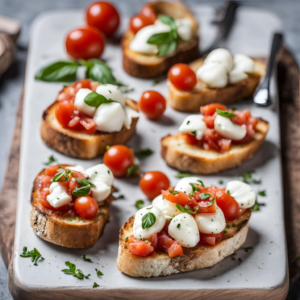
[149,66]
[82,145]
[160,264]
[68,232]
[201,94]
[189,158]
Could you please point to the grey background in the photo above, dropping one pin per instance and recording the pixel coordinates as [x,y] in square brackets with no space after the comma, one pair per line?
[12,81]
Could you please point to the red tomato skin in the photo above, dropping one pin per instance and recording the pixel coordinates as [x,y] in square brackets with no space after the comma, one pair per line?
[104,16]
[152,104]
[152,183]
[182,77]
[210,239]
[148,12]
[118,159]
[51,171]
[138,22]
[166,243]
[181,198]
[210,109]
[154,240]
[85,43]
[83,84]
[86,207]
[228,205]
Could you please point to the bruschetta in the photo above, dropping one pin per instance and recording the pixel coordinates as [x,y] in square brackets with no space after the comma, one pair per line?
[70,205]
[88,116]
[214,141]
[220,77]
[186,228]
[164,33]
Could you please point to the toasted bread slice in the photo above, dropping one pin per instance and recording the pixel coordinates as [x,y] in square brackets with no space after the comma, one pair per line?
[201,94]
[68,232]
[160,264]
[190,158]
[149,66]
[78,144]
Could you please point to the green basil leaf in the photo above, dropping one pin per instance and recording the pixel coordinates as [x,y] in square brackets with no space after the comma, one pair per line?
[57,177]
[204,196]
[61,71]
[166,20]
[160,38]
[173,192]
[201,182]
[262,193]
[84,182]
[99,71]
[86,259]
[247,249]
[143,153]
[139,204]
[95,99]
[95,285]
[71,266]
[195,189]
[148,220]
[82,191]
[34,254]
[182,175]
[212,202]
[131,170]
[165,49]
[185,210]
[225,113]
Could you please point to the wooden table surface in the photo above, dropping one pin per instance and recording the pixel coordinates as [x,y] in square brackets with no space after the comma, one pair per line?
[288,83]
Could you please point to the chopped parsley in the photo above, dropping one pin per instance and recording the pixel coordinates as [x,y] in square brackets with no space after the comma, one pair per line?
[73,271]
[99,273]
[247,249]
[143,153]
[139,204]
[34,254]
[178,225]
[86,259]
[173,192]
[131,170]
[221,181]
[182,175]
[95,285]
[262,193]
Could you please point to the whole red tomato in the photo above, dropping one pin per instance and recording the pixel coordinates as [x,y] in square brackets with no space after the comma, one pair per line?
[85,43]
[152,183]
[138,22]
[182,76]
[103,16]
[119,159]
[152,104]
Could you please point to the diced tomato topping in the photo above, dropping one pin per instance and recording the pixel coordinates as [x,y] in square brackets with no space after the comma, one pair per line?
[180,198]
[228,205]
[51,171]
[68,116]
[154,240]
[210,109]
[166,227]
[210,239]
[211,139]
[82,84]
[166,243]
[138,247]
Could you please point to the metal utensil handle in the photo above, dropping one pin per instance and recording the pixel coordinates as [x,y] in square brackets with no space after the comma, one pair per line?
[225,26]
[276,44]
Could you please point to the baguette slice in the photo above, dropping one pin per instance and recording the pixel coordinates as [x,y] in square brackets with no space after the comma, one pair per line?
[190,158]
[196,258]
[149,66]
[78,144]
[201,94]
[68,232]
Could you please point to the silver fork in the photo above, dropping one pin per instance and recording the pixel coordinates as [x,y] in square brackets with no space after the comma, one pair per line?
[262,93]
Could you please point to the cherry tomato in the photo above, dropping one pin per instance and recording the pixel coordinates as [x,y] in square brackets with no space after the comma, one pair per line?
[86,207]
[228,205]
[182,76]
[153,182]
[148,12]
[103,16]
[118,159]
[210,109]
[138,22]
[85,43]
[152,104]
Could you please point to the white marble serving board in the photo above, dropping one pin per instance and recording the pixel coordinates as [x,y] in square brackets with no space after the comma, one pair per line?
[263,267]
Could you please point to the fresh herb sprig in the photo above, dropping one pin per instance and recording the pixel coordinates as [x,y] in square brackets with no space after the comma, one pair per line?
[185,210]
[34,254]
[99,273]
[226,114]
[86,258]
[51,159]
[143,153]
[95,285]
[165,41]
[182,175]
[73,271]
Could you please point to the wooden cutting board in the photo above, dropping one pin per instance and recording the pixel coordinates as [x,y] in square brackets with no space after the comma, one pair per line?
[288,83]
